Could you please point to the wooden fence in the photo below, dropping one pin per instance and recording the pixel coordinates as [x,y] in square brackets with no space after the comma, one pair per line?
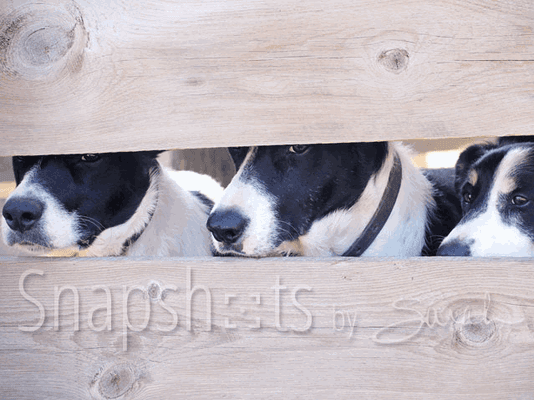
[91,76]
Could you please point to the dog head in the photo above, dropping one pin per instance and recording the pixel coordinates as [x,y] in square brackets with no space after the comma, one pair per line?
[279,192]
[66,201]
[496,186]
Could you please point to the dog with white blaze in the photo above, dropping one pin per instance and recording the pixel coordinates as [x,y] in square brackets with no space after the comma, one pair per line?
[351,199]
[108,204]
[495,183]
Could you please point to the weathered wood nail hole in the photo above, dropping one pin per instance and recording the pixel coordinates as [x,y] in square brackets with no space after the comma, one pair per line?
[116,381]
[394,60]
[195,82]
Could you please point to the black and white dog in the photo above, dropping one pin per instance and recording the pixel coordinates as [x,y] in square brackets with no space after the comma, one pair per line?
[495,183]
[347,199]
[108,205]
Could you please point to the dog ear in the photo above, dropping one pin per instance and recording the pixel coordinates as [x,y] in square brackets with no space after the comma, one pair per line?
[147,159]
[152,153]
[238,155]
[371,154]
[467,158]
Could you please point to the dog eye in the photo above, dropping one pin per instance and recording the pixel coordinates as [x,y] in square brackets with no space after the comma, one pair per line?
[468,197]
[519,200]
[90,157]
[298,148]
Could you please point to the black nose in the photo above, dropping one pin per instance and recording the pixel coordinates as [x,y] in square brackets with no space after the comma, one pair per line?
[227,226]
[21,214]
[454,248]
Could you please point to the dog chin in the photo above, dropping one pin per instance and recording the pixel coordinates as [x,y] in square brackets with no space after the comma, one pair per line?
[237,251]
[42,249]
[35,249]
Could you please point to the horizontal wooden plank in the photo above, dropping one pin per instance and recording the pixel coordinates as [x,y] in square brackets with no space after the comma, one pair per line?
[93,76]
[288,328]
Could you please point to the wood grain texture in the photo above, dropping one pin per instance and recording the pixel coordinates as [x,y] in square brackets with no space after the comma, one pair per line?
[94,76]
[379,329]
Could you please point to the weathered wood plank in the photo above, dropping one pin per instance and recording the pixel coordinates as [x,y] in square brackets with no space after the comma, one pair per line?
[380,328]
[93,76]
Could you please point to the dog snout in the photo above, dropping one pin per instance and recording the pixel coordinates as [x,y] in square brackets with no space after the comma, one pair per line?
[227,226]
[22,214]
[454,248]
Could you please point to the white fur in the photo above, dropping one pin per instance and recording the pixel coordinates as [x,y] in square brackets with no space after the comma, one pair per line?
[177,227]
[486,234]
[403,234]
[191,181]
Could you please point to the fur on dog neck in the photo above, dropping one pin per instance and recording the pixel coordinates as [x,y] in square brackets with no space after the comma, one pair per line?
[403,235]
[169,222]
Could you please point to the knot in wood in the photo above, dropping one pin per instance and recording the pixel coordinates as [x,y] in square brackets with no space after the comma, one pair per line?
[116,381]
[154,291]
[46,45]
[394,60]
[477,331]
[40,40]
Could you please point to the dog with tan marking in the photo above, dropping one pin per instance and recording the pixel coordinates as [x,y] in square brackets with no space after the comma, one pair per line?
[350,199]
[495,183]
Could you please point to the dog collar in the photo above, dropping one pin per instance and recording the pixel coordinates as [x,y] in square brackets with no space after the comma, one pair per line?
[382,213]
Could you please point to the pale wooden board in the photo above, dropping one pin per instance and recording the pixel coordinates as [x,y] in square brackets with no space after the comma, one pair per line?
[464,327]
[94,76]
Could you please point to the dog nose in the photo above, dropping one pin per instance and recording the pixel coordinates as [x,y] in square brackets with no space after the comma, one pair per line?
[454,248]
[22,214]
[227,226]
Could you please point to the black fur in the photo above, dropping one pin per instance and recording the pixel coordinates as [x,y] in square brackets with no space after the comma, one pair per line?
[466,159]
[484,159]
[504,140]
[448,210]
[205,200]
